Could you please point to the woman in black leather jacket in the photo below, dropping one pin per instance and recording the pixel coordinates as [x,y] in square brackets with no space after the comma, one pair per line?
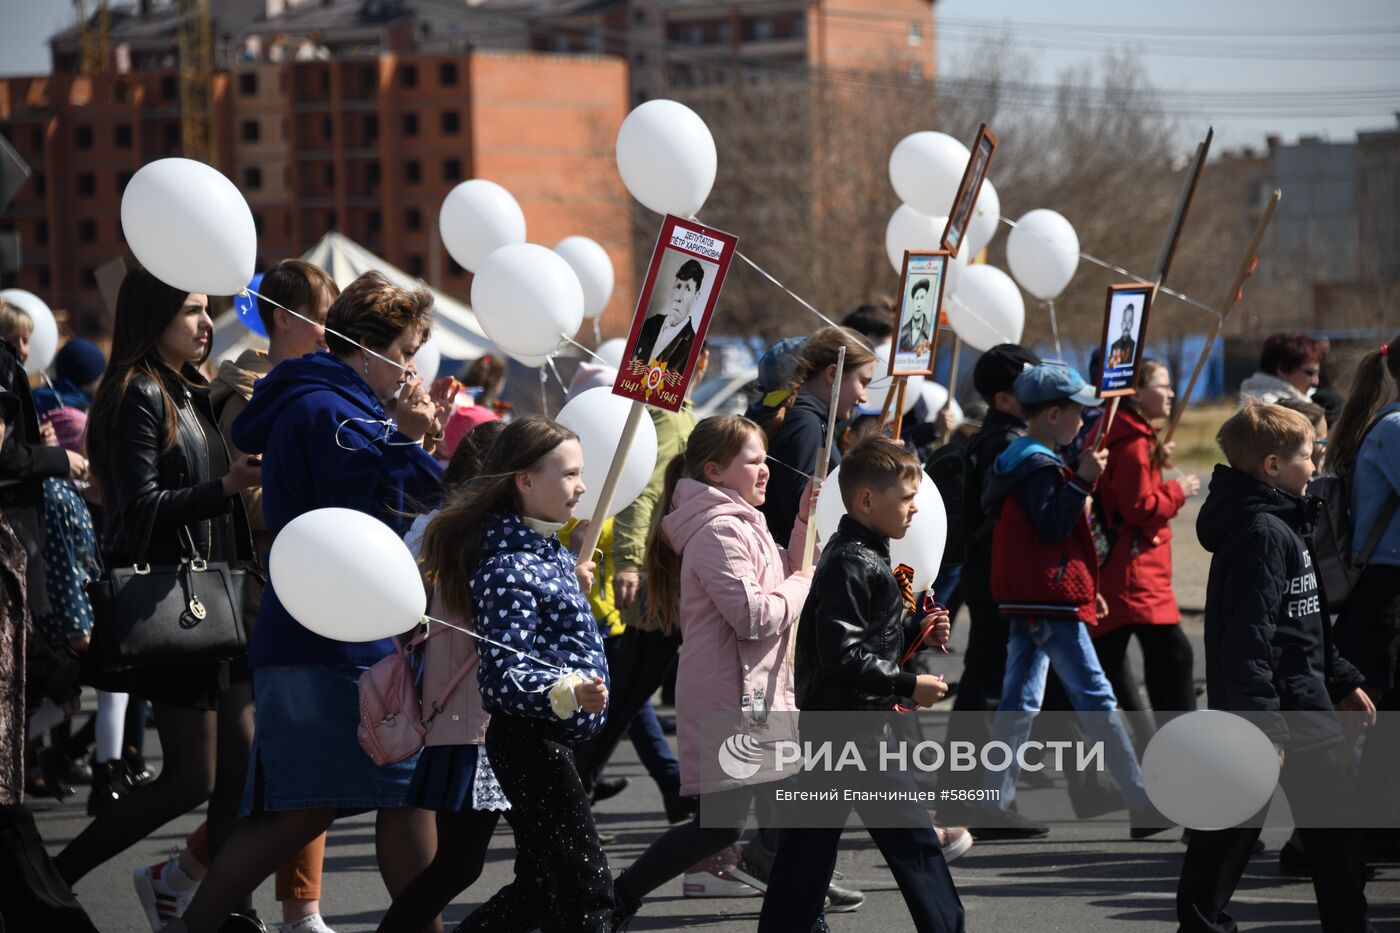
[166,478]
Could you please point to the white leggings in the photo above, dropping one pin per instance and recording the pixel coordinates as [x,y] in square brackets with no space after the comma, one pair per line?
[111,724]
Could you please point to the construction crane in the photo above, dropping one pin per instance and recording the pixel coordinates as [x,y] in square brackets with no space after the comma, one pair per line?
[196,46]
[95,43]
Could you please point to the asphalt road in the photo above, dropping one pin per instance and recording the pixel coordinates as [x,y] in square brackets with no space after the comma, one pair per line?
[1087,877]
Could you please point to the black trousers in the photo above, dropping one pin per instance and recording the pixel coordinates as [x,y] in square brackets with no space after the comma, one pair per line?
[806,858]
[1216,860]
[562,880]
[638,662]
[1167,660]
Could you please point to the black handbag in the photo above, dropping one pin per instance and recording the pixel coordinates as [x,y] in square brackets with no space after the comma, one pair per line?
[158,616]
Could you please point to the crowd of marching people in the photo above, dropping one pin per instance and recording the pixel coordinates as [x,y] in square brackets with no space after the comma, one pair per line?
[1061,524]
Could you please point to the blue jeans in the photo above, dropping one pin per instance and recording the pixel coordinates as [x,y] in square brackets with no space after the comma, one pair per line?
[654,751]
[1035,645]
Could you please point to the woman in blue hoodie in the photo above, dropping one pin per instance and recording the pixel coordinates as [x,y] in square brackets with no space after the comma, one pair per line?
[493,553]
[319,422]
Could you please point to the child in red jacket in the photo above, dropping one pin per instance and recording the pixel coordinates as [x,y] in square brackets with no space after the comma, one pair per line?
[1045,578]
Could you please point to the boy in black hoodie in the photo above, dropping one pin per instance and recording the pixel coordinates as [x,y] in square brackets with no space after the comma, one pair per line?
[1269,650]
[853,630]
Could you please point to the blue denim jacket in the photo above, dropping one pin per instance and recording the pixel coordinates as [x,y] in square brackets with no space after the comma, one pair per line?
[1376,478]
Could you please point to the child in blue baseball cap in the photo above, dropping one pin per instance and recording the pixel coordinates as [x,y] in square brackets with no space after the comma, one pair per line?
[1045,579]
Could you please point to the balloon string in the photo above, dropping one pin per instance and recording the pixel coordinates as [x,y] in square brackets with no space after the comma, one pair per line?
[588,351]
[555,369]
[544,392]
[479,637]
[1121,271]
[336,333]
[1055,329]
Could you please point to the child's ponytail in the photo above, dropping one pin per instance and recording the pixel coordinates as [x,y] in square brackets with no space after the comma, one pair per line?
[663,564]
[1368,393]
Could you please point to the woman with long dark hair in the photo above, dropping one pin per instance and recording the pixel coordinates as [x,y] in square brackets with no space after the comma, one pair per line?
[166,478]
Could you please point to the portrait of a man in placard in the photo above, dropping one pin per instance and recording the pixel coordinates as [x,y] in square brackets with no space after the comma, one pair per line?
[668,335]
[1123,350]
[917,329]
[1125,322]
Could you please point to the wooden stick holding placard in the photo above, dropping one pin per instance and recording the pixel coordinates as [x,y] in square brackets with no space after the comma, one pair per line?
[609,490]
[952,386]
[1164,261]
[809,540]
[897,420]
[1232,297]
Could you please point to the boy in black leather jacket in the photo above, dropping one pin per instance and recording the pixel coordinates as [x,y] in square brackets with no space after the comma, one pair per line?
[852,633]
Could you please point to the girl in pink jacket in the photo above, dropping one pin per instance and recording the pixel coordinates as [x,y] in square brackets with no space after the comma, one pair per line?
[714,570]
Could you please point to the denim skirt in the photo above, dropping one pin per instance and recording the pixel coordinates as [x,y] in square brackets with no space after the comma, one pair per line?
[305,751]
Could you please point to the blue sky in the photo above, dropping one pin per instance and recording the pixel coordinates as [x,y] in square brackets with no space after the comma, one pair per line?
[1294,67]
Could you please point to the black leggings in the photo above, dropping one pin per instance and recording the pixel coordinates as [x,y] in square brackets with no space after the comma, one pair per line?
[562,881]
[463,836]
[682,846]
[205,757]
[1167,660]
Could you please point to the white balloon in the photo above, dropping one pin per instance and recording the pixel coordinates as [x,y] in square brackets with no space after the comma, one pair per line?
[922,545]
[1215,749]
[344,574]
[532,360]
[880,386]
[428,360]
[43,342]
[610,352]
[477,218]
[597,417]
[986,218]
[988,308]
[594,269]
[910,230]
[667,157]
[527,299]
[926,169]
[1043,252]
[935,397]
[189,226]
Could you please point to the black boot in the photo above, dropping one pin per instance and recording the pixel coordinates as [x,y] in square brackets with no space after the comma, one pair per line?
[137,771]
[109,784]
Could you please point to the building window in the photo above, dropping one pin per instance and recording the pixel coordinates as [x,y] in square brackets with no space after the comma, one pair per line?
[408,76]
[412,172]
[725,34]
[36,138]
[325,80]
[916,33]
[410,124]
[257,223]
[252,178]
[82,137]
[916,71]
[447,74]
[168,87]
[695,34]
[251,131]
[415,266]
[372,174]
[331,222]
[413,219]
[41,232]
[45,280]
[123,179]
[374,222]
[452,170]
[171,132]
[87,231]
[329,173]
[369,80]
[122,136]
[371,130]
[451,122]
[89,277]
[87,184]
[248,83]
[41,185]
[327,128]
[453,269]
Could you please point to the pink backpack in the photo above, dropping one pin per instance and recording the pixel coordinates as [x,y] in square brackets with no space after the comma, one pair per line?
[392,727]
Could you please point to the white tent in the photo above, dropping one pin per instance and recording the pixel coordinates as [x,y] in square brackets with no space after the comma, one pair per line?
[455,327]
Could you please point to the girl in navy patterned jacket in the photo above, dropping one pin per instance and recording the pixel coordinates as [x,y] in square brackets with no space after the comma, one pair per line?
[493,554]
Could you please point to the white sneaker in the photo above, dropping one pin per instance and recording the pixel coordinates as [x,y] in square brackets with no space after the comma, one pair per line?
[164,890]
[311,924]
[717,884]
[954,841]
